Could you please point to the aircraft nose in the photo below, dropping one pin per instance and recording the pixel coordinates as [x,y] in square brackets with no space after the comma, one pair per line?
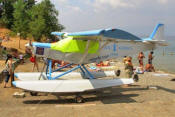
[14,83]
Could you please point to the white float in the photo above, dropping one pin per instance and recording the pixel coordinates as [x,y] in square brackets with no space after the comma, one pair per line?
[69,86]
[28,76]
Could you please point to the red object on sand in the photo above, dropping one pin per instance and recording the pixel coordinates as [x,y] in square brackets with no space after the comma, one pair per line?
[32,59]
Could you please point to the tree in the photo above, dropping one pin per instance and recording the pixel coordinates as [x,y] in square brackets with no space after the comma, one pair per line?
[44,20]
[37,23]
[20,19]
[7,12]
[30,3]
[51,19]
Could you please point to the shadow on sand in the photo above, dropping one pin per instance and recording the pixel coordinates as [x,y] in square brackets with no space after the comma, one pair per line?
[106,96]
[166,89]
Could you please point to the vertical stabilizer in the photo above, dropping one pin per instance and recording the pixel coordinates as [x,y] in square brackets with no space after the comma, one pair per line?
[158,33]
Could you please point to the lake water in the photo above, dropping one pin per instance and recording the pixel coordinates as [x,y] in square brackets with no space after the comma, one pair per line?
[164,57]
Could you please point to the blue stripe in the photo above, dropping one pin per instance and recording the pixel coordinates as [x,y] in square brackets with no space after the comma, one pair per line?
[109,33]
[58,33]
[87,33]
[42,45]
[115,47]
[155,30]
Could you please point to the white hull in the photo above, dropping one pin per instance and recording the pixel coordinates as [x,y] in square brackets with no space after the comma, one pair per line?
[69,86]
[73,75]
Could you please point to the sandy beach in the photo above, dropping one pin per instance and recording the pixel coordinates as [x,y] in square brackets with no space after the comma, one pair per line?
[133,101]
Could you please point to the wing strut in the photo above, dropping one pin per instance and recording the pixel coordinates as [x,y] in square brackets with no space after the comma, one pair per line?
[49,70]
[86,52]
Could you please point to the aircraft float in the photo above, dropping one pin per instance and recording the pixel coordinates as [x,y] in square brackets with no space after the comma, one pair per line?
[82,48]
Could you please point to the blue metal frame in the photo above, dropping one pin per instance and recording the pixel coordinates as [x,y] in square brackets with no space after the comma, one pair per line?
[49,70]
[90,75]
[62,67]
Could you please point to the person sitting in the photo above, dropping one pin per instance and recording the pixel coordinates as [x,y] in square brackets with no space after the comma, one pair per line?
[124,59]
[100,64]
[149,67]
[129,68]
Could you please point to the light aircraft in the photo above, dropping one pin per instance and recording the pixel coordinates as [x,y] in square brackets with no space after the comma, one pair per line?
[83,48]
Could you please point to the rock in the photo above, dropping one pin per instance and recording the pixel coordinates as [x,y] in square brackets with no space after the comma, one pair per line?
[153,87]
[19,95]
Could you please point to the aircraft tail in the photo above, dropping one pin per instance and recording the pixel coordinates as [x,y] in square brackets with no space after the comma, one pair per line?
[157,36]
[158,33]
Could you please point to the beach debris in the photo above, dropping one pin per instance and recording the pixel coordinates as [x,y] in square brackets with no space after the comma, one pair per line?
[152,87]
[19,95]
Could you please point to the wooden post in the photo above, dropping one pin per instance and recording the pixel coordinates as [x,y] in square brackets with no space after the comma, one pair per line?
[19,40]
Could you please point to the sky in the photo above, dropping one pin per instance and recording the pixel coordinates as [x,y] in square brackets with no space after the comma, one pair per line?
[135,16]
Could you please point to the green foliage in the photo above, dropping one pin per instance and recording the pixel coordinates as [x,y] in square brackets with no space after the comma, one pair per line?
[44,20]
[50,15]
[7,12]
[20,18]
[30,19]
[12,34]
[37,23]
[30,3]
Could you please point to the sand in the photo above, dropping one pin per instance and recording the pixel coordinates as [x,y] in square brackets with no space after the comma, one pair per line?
[133,101]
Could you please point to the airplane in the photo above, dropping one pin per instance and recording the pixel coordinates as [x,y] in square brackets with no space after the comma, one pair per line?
[81,48]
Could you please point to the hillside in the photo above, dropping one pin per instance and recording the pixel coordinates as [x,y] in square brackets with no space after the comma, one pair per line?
[14,41]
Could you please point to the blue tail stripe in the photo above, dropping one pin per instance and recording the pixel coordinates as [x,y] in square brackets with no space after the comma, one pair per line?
[155,30]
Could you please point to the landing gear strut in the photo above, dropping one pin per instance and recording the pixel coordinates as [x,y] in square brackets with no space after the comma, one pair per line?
[79,99]
[136,78]
[117,73]
[33,93]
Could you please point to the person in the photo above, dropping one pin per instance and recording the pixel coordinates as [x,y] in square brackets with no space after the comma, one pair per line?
[35,63]
[149,67]
[124,59]
[28,51]
[9,70]
[141,56]
[150,57]
[7,37]
[100,64]
[15,53]
[4,52]
[21,58]
[129,67]
[54,62]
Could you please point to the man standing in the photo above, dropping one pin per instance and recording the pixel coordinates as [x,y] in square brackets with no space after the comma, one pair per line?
[150,57]
[141,56]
